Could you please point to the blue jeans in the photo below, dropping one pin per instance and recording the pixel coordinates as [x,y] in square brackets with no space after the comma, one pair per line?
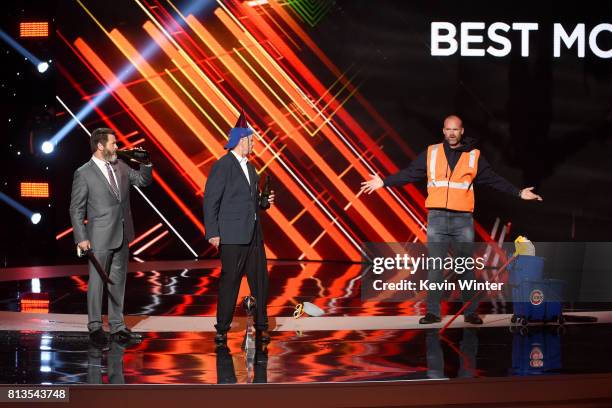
[455,230]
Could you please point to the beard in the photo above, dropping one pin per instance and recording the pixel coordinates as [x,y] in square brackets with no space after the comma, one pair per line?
[453,140]
[109,156]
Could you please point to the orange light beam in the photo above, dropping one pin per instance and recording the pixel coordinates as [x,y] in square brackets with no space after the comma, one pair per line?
[172,53]
[330,65]
[147,119]
[313,208]
[269,107]
[171,98]
[191,71]
[153,241]
[233,26]
[275,215]
[292,90]
[145,234]
[63,234]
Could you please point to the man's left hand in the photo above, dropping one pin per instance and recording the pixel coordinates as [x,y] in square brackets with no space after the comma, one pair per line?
[528,194]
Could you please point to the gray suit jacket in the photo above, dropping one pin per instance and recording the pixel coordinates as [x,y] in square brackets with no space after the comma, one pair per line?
[108,218]
[230,202]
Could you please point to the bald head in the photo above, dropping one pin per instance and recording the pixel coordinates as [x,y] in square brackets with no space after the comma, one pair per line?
[453,119]
[453,130]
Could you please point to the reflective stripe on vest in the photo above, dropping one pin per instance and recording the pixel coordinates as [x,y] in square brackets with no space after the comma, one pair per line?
[451,184]
[453,191]
[472,158]
[432,164]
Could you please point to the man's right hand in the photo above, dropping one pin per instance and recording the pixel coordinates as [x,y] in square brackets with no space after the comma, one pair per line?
[84,245]
[214,241]
[374,184]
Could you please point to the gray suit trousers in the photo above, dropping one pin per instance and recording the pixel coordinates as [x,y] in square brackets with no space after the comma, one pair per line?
[118,260]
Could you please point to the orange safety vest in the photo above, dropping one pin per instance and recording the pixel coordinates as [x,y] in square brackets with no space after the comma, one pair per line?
[453,190]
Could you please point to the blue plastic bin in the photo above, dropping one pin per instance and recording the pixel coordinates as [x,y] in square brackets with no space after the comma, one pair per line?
[538,300]
[534,298]
[525,267]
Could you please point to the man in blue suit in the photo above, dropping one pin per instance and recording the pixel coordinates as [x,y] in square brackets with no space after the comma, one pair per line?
[233,225]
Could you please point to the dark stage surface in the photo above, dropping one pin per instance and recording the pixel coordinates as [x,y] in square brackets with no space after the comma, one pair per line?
[354,341]
[317,356]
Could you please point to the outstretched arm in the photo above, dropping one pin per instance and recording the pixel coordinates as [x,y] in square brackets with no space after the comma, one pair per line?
[528,194]
[416,171]
[487,176]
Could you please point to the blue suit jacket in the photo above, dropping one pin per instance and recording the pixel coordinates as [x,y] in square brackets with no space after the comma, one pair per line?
[231,203]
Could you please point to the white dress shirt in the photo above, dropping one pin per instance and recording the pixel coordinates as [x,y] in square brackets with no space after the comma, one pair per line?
[102,166]
[243,164]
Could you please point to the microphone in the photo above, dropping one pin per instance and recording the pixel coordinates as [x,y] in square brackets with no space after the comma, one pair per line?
[137,154]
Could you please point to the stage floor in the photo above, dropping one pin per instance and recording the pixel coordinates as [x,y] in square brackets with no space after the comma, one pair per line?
[173,305]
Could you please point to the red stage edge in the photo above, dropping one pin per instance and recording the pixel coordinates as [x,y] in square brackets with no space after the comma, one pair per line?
[588,390]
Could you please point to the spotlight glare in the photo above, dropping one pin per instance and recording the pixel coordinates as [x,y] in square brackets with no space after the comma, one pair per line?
[47,147]
[35,218]
[42,67]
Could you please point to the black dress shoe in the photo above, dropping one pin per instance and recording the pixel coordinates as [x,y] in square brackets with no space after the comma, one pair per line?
[124,342]
[126,334]
[429,318]
[262,336]
[98,337]
[221,338]
[472,318]
[221,348]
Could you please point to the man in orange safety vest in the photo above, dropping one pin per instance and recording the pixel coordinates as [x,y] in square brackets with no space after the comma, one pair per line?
[452,168]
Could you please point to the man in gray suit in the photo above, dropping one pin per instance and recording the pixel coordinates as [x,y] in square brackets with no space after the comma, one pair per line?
[101,192]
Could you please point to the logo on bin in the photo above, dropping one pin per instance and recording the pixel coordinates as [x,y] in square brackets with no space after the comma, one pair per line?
[536,363]
[536,297]
[536,353]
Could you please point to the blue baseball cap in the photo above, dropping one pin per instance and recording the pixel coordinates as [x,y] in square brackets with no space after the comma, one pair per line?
[240,130]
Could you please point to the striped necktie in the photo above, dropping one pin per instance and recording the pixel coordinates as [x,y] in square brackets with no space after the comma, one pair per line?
[113,183]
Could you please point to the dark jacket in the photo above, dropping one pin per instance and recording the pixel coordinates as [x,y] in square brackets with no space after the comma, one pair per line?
[230,203]
[417,170]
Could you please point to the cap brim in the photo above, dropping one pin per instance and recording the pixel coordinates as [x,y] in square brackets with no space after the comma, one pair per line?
[235,135]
